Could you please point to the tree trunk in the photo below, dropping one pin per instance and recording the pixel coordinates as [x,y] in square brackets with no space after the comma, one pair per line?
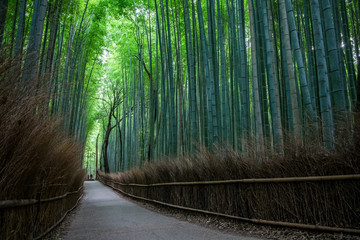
[325,102]
[14,27]
[305,93]
[20,29]
[191,77]
[337,91]
[273,81]
[259,129]
[97,155]
[291,72]
[3,11]
[35,39]
[244,78]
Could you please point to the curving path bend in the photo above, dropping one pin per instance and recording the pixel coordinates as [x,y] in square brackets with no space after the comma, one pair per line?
[104,215]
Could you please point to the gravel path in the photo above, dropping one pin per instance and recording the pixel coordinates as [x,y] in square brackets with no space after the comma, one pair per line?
[104,215]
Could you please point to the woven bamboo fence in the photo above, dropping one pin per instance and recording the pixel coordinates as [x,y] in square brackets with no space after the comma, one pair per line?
[328,203]
[34,218]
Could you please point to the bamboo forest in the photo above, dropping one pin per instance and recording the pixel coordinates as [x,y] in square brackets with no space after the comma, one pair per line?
[260,96]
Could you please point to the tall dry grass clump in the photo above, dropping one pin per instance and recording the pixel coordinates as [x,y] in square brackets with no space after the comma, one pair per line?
[334,203]
[227,164]
[37,160]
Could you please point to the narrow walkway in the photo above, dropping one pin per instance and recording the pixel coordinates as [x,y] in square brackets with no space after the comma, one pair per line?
[105,215]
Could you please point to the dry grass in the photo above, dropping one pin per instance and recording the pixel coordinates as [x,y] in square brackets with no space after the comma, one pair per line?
[333,203]
[36,159]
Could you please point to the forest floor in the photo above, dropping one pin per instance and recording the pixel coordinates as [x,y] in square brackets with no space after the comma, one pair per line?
[206,227]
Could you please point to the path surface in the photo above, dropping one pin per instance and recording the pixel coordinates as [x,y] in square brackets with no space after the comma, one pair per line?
[103,215]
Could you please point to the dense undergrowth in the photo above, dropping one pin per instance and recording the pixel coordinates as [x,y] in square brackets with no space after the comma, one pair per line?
[297,160]
[37,160]
[327,203]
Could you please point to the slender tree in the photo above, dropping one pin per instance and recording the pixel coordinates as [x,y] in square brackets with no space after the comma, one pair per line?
[20,29]
[259,129]
[305,93]
[291,71]
[3,12]
[35,40]
[325,102]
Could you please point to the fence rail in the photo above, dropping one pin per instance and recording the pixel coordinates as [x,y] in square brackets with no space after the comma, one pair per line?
[59,221]
[26,202]
[250,180]
[40,224]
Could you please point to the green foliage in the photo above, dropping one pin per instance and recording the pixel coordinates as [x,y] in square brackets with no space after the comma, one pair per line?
[176,78]
[181,83]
